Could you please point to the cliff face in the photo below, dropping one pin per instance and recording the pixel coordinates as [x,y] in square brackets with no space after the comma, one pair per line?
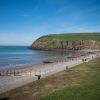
[54,43]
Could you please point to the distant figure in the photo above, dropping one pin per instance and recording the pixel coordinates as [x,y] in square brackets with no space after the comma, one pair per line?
[83,60]
[66,67]
[86,61]
[39,76]
[72,59]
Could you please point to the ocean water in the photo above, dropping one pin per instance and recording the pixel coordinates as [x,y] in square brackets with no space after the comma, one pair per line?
[13,56]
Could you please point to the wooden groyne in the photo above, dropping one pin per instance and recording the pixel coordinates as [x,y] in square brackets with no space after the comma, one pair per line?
[48,62]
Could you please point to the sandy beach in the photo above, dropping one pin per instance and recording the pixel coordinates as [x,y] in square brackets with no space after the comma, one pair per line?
[24,76]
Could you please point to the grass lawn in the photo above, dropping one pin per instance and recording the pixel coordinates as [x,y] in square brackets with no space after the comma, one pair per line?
[89,89]
[76,36]
[79,83]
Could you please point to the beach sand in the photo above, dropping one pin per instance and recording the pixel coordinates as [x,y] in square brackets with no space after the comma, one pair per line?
[30,74]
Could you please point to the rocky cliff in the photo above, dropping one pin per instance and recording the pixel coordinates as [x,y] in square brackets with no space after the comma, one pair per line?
[68,42]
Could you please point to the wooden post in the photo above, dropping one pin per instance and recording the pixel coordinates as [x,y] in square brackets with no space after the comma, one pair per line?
[7,73]
[30,72]
[0,73]
[14,72]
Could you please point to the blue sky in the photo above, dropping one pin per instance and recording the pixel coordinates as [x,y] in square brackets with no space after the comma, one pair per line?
[23,21]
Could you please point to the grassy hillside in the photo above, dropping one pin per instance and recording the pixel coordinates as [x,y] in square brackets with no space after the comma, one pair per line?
[76,36]
[72,41]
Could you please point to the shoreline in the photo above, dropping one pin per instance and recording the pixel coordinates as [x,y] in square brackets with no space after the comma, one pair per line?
[23,66]
[64,50]
[29,75]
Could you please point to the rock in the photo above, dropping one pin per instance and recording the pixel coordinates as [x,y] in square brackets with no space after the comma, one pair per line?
[68,42]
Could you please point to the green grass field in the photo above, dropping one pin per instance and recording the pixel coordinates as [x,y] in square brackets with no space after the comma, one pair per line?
[78,83]
[89,89]
[76,36]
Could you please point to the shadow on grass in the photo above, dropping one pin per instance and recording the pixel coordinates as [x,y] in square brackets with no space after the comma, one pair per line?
[5,99]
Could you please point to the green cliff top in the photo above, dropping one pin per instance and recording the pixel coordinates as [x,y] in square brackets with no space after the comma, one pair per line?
[75,36]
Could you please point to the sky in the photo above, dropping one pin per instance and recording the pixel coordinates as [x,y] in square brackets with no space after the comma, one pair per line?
[23,21]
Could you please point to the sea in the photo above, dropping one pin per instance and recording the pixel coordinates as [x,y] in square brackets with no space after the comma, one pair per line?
[19,56]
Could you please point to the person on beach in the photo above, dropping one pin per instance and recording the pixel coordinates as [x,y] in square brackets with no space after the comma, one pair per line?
[83,60]
[66,67]
[38,75]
